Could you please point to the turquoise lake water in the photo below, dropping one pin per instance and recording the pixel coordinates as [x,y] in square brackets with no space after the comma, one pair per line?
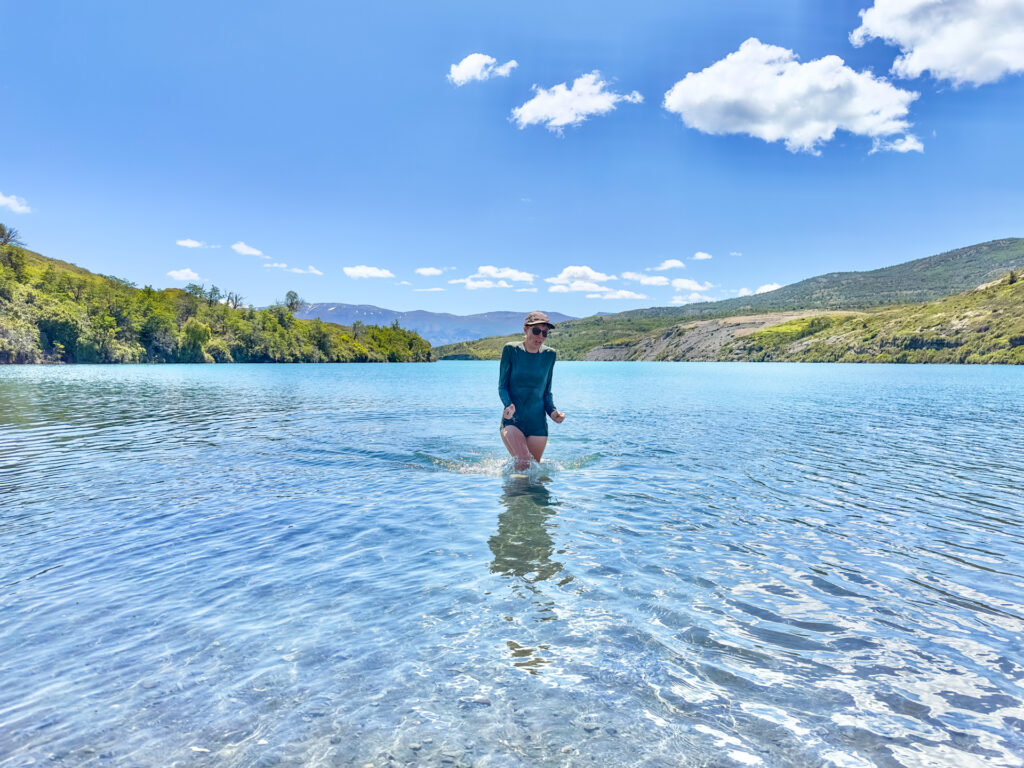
[716,565]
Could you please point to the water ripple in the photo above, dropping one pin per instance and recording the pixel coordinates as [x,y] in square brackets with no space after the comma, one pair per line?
[333,565]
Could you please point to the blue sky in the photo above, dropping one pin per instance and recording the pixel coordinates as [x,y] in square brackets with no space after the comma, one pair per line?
[336,139]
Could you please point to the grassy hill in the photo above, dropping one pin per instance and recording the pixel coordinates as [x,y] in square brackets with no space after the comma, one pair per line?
[52,311]
[985,325]
[914,281]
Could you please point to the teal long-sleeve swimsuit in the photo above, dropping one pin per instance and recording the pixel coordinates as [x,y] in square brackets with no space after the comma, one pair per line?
[524,380]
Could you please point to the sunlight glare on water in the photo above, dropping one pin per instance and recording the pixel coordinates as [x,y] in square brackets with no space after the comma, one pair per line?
[716,564]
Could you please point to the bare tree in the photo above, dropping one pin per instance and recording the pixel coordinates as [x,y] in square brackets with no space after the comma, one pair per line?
[9,236]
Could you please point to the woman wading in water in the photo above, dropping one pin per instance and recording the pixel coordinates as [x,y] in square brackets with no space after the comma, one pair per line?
[524,386]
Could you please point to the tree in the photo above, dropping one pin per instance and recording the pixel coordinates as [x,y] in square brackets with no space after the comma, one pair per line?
[234,300]
[9,236]
[292,301]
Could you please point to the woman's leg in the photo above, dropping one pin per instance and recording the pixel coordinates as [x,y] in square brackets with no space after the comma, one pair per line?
[518,445]
[537,444]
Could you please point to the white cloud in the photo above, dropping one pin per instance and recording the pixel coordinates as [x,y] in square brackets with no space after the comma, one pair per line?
[479,66]
[403,282]
[768,287]
[364,271]
[526,290]
[691,298]
[428,271]
[964,41]
[763,91]
[577,274]
[504,273]
[427,290]
[735,253]
[908,143]
[276,264]
[620,294]
[685,284]
[745,292]
[473,283]
[701,256]
[182,274]
[669,264]
[488,276]
[645,279]
[189,243]
[15,203]
[247,250]
[310,270]
[558,106]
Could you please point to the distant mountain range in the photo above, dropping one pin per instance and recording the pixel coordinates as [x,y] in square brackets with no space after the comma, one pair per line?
[673,333]
[435,327]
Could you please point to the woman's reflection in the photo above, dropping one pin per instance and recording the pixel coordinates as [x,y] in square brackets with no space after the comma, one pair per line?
[523,550]
[522,546]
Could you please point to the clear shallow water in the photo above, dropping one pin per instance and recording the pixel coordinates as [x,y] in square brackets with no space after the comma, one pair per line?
[718,564]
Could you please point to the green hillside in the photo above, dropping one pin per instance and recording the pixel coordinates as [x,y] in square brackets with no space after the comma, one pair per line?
[914,281]
[985,325]
[52,311]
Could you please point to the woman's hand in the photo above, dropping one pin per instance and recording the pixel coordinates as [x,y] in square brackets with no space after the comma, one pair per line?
[509,412]
[557,416]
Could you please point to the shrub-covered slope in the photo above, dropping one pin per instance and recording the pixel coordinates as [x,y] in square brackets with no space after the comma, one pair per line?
[985,325]
[913,281]
[52,311]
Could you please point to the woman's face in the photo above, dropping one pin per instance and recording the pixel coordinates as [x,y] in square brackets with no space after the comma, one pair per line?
[534,341]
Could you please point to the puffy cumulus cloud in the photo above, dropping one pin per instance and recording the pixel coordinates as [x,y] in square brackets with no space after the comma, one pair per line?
[479,66]
[685,284]
[964,41]
[768,287]
[182,274]
[669,264]
[475,283]
[577,285]
[361,271]
[188,242]
[488,276]
[579,275]
[247,250]
[559,106]
[645,279]
[745,292]
[691,298]
[16,204]
[701,256]
[763,91]
[504,273]
[619,294]
[526,290]
[428,271]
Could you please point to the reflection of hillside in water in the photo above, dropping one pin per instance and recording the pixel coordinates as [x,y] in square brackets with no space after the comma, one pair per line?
[524,550]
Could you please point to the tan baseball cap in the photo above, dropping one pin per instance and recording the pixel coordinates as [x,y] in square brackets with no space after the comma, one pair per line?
[538,318]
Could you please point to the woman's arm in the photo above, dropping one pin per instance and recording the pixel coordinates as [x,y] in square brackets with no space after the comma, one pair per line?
[504,375]
[549,402]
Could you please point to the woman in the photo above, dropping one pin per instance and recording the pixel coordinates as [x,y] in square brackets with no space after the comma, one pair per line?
[524,386]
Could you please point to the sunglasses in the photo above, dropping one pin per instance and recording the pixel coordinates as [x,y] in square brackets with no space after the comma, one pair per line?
[540,332]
